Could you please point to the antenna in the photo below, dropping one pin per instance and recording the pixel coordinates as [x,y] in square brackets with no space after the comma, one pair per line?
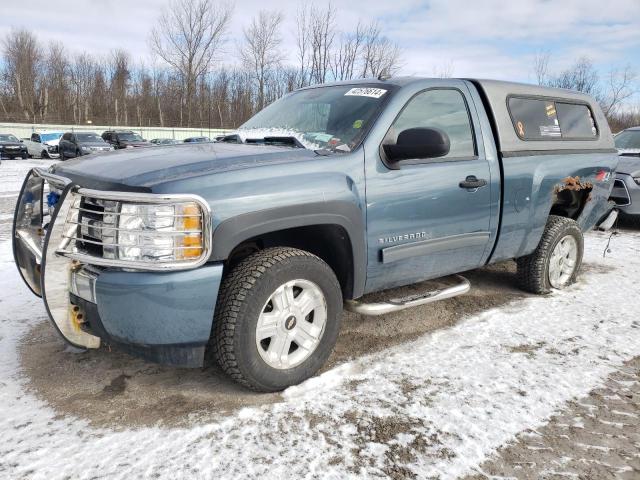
[384,75]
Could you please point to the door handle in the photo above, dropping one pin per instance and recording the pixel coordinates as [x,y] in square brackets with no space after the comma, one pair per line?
[471,182]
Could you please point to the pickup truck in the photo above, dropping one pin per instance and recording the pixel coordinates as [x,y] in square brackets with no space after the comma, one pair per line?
[43,144]
[246,251]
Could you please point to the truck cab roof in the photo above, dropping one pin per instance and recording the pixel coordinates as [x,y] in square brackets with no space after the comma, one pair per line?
[511,134]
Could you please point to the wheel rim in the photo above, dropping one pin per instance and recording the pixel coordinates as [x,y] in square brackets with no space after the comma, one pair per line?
[562,263]
[291,324]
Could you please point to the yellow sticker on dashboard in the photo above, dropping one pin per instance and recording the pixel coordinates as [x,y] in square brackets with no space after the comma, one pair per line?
[357,124]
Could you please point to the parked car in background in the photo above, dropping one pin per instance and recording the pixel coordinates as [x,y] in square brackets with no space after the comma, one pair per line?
[626,188]
[76,144]
[197,140]
[124,139]
[43,144]
[12,147]
[164,141]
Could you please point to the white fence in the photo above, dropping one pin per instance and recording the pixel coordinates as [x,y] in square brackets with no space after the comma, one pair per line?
[24,130]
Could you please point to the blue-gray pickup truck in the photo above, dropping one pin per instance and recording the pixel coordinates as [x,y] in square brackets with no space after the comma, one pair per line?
[245,251]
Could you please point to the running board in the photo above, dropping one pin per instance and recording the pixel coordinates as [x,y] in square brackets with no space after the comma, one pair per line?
[397,304]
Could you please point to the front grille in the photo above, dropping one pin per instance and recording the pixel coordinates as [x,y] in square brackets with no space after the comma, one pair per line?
[620,194]
[96,226]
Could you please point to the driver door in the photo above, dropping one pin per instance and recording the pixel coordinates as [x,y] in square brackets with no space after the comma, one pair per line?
[422,222]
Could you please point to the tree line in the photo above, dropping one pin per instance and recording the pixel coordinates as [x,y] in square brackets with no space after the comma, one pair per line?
[192,81]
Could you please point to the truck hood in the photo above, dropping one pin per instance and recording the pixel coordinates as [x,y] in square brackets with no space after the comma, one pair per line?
[629,162]
[146,167]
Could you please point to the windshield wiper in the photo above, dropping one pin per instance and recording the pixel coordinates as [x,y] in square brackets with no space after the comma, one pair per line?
[285,141]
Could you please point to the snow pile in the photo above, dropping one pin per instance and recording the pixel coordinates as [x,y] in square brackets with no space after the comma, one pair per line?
[436,406]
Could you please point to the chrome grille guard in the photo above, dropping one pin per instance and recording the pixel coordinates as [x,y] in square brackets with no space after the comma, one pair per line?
[45,237]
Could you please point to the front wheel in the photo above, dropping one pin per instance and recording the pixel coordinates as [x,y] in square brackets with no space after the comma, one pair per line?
[556,261]
[277,318]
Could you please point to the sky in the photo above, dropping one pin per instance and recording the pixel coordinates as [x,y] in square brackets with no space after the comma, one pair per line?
[484,38]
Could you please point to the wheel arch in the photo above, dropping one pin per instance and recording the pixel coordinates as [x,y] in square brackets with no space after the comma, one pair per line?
[332,230]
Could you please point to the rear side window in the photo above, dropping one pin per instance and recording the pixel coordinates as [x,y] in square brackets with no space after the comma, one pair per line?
[576,121]
[542,119]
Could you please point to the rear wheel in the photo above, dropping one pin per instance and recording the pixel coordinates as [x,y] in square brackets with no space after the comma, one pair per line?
[557,259]
[277,318]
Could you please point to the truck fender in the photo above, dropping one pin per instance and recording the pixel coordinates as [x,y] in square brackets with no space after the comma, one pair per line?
[348,215]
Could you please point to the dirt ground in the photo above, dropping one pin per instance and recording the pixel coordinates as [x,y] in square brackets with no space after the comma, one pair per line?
[110,388]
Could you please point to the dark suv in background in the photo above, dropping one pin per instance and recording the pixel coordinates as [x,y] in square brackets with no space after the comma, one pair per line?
[124,139]
[11,147]
[76,144]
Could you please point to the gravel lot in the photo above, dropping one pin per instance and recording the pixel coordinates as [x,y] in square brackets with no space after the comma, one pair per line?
[489,385]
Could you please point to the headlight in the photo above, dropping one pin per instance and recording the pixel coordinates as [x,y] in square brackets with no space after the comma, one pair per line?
[167,232]
[147,231]
[85,149]
[129,146]
[637,180]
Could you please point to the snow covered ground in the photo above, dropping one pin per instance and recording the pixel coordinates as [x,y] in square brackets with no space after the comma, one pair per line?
[437,407]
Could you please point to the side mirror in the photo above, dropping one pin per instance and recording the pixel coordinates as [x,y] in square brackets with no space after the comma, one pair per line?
[419,143]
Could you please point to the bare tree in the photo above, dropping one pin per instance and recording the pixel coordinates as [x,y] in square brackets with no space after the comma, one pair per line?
[380,55]
[347,54]
[321,34]
[541,67]
[302,44]
[445,70]
[187,37]
[620,87]
[581,76]
[260,51]
[23,64]
[56,81]
[119,77]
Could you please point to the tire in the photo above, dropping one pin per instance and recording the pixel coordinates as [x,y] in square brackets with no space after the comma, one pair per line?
[24,156]
[44,154]
[62,157]
[248,295]
[536,271]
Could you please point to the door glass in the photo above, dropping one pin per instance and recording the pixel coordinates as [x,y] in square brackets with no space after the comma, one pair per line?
[444,109]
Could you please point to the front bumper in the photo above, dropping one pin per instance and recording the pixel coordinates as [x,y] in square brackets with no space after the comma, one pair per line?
[162,316]
[6,152]
[626,194]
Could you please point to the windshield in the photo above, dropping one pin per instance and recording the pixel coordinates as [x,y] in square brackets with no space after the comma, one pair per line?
[628,139]
[89,138]
[8,138]
[331,118]
[130,137]
[47,137]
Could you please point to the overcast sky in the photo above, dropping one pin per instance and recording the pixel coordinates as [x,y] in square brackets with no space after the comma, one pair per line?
[484,38]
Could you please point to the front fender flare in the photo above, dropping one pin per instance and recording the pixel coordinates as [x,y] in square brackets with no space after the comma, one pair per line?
[235,230]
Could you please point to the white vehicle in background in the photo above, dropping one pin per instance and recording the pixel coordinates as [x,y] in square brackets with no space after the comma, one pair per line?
[43,144]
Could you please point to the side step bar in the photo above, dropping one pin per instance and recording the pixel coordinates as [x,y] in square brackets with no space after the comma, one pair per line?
[397,304]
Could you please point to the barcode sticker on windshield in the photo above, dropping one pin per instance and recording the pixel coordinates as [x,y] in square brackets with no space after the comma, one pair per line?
[366,92]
